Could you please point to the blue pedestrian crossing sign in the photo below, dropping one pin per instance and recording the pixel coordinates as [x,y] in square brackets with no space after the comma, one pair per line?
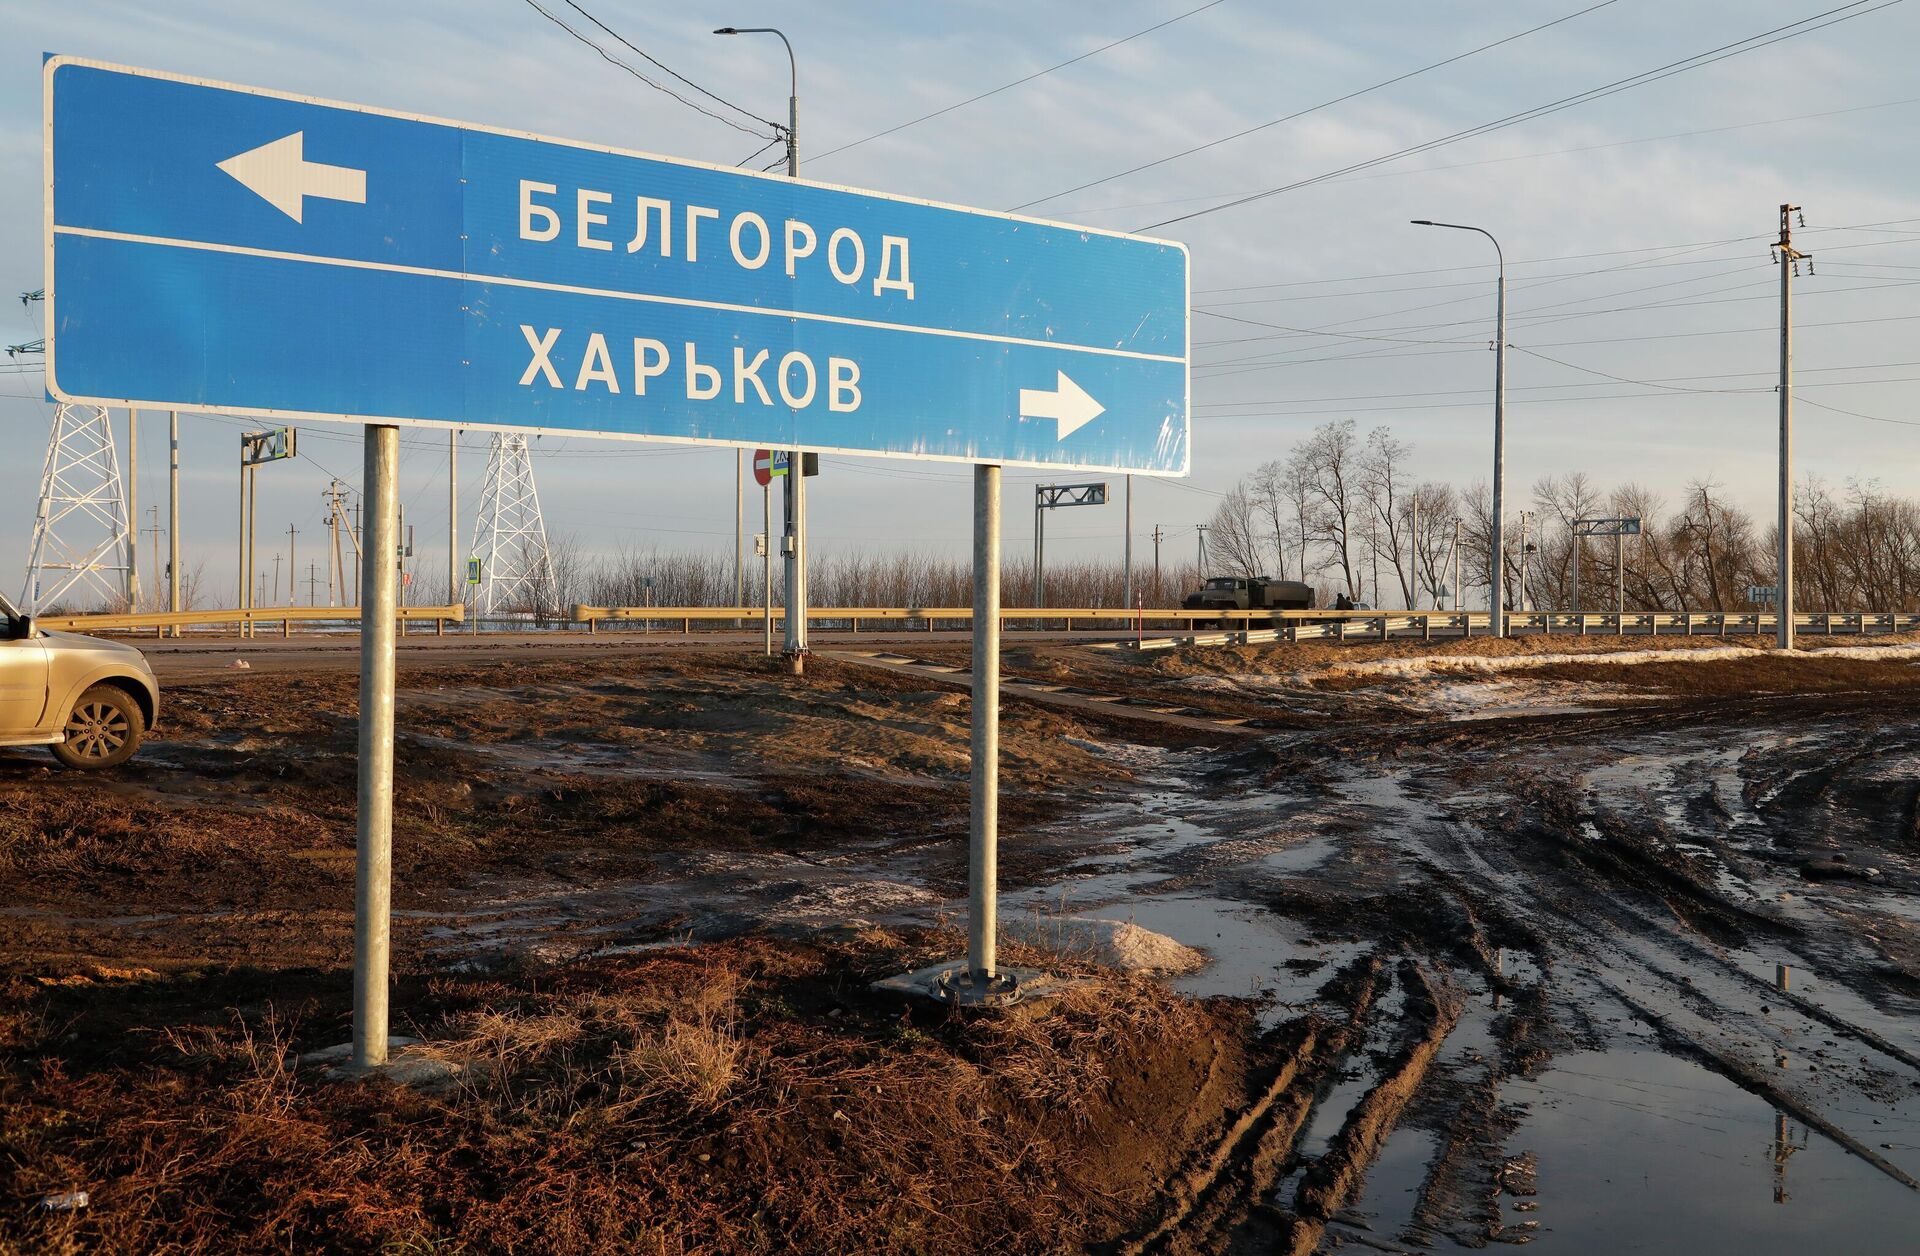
[236,250]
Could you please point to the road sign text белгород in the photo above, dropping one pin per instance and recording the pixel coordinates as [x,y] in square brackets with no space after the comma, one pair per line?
[234,250]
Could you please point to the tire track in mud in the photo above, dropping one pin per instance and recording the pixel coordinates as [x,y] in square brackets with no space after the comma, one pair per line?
[1649,965]
[1334,1180]
[1225,1204]
[1215,1195]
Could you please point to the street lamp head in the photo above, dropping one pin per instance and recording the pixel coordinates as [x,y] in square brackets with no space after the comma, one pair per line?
[1423,222]
[726,30]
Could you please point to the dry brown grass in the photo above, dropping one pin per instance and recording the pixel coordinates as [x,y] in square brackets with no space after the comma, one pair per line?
[746,1097]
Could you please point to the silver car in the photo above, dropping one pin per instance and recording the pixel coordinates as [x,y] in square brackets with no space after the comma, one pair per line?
[90,701]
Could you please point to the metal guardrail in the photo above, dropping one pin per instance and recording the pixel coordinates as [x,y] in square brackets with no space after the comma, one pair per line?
[1254,626]
[1311,625]
[930,617]
[1374,626]
[247,621]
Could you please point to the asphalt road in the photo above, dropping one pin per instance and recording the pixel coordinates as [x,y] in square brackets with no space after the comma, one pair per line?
[200,657]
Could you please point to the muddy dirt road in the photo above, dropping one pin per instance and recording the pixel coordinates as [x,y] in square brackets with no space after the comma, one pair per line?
[1595,954]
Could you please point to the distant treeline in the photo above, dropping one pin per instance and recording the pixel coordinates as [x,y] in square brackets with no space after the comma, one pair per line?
[1339,510]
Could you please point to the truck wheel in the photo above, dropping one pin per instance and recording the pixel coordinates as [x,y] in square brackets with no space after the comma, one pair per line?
[103,730]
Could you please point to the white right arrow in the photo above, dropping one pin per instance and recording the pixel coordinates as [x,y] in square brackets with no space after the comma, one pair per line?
[1066,402]
[280,174]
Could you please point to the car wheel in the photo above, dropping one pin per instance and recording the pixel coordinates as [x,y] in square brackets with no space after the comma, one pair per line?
[103,730]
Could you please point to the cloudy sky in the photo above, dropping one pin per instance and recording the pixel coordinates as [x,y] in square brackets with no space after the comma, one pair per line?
[1642,303]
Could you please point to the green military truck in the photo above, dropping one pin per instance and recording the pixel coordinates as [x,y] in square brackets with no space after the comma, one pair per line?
[1249,593]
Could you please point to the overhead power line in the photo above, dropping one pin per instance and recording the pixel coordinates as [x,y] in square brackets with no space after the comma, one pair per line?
[1622,379]
[1874,418]
[1535,282]
[1325,104]
[925,117]
[610,59]
[1752,43]
[1218,408]
[667,69]
[1886,225]
[748,159]
[1495,161]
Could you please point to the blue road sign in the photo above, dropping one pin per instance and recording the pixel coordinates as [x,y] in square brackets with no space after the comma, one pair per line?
[235,250]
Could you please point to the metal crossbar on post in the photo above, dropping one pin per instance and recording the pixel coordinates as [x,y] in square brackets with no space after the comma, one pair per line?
[510,535]
[83,536]
[1052,497]
[1619,529]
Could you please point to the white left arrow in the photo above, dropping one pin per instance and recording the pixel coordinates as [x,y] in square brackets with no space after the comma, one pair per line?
[1066,402]
[280,174]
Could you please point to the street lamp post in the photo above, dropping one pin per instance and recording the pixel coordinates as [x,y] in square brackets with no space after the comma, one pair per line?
[1497,542]
[796,486]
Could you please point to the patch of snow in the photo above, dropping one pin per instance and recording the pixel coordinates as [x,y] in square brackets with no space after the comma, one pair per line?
[1428,665]
[1906,650]
[854,900]
[1117,944]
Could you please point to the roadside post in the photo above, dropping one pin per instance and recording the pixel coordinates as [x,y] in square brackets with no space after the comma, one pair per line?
[763,474]
[1052,497]
[762,551]
[475,571]
[769,465]
[256,448]
[1619,529]
[469,272]
[983,829]
[373,845]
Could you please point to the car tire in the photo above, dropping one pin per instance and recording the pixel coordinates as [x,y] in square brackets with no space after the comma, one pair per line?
[102,730]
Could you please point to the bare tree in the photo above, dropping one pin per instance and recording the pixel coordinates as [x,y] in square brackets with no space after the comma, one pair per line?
[1233,538]
[1563,500]
[191,584]
[1381,464]
[1332,463]
[1433,541]
[1271,486]
[1297,482]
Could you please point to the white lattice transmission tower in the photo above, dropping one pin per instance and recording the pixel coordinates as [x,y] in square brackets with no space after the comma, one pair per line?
[82,551]
[510,536]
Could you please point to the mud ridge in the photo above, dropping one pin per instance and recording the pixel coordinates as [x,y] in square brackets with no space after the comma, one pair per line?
[1333,1181]
[1207,1201]
[1459,1197]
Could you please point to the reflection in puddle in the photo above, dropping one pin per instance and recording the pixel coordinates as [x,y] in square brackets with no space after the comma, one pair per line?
[1643,1151]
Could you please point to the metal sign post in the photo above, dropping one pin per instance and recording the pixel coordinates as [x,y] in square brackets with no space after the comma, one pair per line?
[983,832]
[1619,529]
[256,448]
[796,624]
[1051,497]
[373,848]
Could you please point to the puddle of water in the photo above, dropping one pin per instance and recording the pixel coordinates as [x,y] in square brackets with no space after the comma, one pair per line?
[1813,985]
[1639,1151]
[1246,946]
[1393,1181]
[1304,857]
